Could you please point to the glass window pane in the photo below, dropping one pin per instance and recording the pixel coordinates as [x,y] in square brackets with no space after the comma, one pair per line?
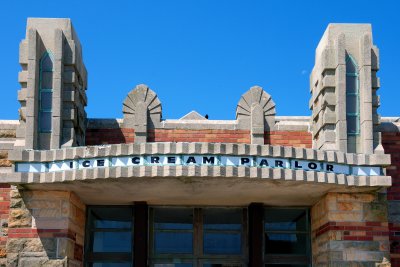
[47,63]
[352,104]
[222,265]
[173,218]
[173,265]
[46,81]
[222,231]
[350,66]
[285,219]
[46,100]
[112,264]
[351,84]
[286,265]
[173,242]
[45,121]
[173,230]
[222,243]
[222,219]
[352,124]
[112,217]
[285,243]
[112,242]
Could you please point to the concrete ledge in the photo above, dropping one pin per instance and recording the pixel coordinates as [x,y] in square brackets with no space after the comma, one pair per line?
[8,124]
[282,123]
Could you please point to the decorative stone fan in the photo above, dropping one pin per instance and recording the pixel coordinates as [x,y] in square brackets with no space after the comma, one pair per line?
[139,103]
[256,95]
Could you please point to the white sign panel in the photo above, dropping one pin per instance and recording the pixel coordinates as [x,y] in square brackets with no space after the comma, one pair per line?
[197,160]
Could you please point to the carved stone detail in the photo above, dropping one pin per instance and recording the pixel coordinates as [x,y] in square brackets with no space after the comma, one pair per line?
[141,109]
[256,110]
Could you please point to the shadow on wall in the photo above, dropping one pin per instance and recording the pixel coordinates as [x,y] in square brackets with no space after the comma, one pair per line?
[107,131]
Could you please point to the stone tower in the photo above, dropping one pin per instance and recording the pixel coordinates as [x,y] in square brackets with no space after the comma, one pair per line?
[53,86]
[343,86]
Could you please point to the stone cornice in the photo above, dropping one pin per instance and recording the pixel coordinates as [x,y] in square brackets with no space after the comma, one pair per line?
[228,149]
[172,148]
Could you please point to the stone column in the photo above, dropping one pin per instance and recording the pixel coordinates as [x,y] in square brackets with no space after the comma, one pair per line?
[45,228]
[57,39]
[350,230]
[328,88]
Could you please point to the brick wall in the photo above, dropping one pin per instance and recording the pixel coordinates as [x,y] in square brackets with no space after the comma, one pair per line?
[45,228]
[109,136]
[211,136]
[391,143]
[4,211]
[288,138]
[350,230]
[118,136]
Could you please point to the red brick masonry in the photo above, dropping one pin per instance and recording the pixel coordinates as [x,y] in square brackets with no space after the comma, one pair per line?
[118,136]
[391,144]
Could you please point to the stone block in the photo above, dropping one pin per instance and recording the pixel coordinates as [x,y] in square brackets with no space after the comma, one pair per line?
[375,212]
[365,50]
[65,248]
[375,58]
[19,218]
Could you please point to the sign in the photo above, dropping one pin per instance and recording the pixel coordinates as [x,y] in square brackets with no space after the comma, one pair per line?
[197,160]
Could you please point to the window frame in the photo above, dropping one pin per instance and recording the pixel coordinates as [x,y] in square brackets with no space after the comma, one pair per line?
[350,59]
[46,55]
[292,258]
[198,257]
[91,257]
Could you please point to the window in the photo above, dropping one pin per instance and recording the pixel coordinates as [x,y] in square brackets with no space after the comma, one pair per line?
[286,237]
[195,237]
[45,93]
[352,104]
[109,237]
[208,237]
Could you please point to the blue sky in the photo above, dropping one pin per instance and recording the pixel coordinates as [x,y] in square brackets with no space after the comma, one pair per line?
[201,55]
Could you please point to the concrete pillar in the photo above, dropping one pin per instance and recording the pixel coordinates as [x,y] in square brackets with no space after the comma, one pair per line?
[57,38]
[329,75]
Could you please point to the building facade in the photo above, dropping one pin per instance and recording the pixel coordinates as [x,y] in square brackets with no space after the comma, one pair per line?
[260,190]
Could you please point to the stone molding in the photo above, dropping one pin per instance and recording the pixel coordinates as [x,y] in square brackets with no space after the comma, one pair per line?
[198,171]
[172,148]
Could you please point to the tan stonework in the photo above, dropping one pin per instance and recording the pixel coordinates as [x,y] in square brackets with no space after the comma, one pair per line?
[46,228]
[350,229]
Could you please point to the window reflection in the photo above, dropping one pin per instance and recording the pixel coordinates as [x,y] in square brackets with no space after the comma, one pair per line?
[110,239]
[173,230]
[112,264]
[222,231]
[286,237]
